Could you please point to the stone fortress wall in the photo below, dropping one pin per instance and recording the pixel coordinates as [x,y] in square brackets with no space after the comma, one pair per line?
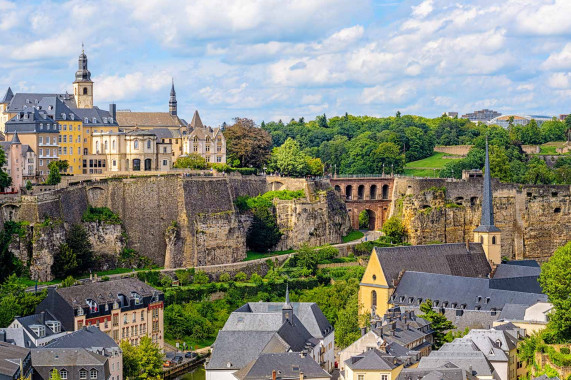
[534,219]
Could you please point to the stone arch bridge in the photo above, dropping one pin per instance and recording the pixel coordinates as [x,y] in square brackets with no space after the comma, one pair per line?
[370,194]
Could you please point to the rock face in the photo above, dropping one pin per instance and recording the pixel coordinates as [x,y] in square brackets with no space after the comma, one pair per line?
[534,220]
[180,222]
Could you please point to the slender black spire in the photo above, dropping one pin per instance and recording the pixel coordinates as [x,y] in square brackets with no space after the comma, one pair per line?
[172,101]
[82,74]
[287,309]
[487,221]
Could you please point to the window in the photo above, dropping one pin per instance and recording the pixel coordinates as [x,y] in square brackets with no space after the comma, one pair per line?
[165,162]
[136,144]
[218,159]
[493,240]
[63,374]
[114,162]
[134,317]
[106,146]
[64,150]
[195,148]
[148,144]
[65,127]
[41,154]
[41,139]
[93,373]
[142,315]
[125,318]
[83,374]
[71,127]
[208,148]
[64,138]
[360,377]
[384,377]
[113,144]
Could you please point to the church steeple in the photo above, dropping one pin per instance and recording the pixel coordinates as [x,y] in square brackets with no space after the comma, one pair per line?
[487,233]
[172,101]
[83,86]
[287,309]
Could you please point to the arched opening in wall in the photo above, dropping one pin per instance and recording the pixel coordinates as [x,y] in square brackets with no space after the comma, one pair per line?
[385,191]
[361,192]
[338,188]
[458,200]
[473,201]
[373,300]
[349,192]
[148,163]
[367,220]
[136,164]
[277,185]
[493,240]
[373,192]
[481,240]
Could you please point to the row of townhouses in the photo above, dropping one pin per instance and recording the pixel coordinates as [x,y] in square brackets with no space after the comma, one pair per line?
[40,128]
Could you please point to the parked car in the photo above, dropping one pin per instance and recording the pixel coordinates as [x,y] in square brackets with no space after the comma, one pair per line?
[177,359]
[190,355]
[167,364]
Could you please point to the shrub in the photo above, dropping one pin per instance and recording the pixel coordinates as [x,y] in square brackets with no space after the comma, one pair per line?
[69,281]
[264,233]
[101,214]
[105,278]
[394,229]
[256,279]
[224,277]
[240,276]
[192,161]
[565,350]
[183,276]
[246,171]
[201,277]
[166,281]
[65,262]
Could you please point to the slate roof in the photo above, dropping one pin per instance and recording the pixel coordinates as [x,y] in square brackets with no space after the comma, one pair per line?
[372,360]
[488,339]
[38,319]
[102,117]
[28,122]
[17,336]
[165,133]
[528,284]
[147,119]
[460,355]
[452,259]
[90,338]
[196,122]
[104,291]
[55,107]
[470,291]
[7,96]
[288,365]
[545,377]
[442,373]
[235,349]
[50,357]
[308,313]
[10,356]
[22,101]
[523,268]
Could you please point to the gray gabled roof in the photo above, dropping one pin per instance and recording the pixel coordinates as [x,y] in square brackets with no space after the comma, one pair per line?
[451,259]
[38,319]
[51,357]
[22,101]
[17,336]
[88,337]
[101,117]
[522,268]
[196,122]
[474,293]
[10,356]
[372,360]
[442,373]
[462,356]
[55,108]
[513,312]
[235,349]
[288,365]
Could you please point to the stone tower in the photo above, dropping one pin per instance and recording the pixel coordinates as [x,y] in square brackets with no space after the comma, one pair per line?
[83,86]
[172,101]
[487,233]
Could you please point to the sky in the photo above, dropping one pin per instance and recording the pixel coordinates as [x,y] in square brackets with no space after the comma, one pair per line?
[282,59]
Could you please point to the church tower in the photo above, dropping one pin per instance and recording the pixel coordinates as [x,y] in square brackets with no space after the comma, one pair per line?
[287,309]
[487,233]
[172,101]
[83,86]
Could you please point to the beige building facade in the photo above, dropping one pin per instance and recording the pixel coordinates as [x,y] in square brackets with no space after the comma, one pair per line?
[207,142]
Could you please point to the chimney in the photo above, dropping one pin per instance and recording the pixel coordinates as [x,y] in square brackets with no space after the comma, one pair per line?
[113,110]
[2,335]
[43,317]
[274,374]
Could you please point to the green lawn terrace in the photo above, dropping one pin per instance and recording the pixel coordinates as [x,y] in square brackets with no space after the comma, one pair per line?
[430,166]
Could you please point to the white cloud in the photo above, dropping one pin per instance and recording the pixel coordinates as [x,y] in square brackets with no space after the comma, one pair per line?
[423,9]
[395,94]
[559,80]
[130,86]
[560,59]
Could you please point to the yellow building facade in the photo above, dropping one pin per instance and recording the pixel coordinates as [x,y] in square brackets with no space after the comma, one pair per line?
[374,291]
[71,144]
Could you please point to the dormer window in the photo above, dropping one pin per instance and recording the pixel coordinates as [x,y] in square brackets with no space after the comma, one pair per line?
[94,120]
[104,120]
[63,116]
[137,297]
[80,311]
[39,330]
[93,308]
[86,121]
[55,326]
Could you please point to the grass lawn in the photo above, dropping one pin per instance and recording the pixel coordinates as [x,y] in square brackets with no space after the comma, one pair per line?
[436,161]
[250,255]
[422,172]
[353,235]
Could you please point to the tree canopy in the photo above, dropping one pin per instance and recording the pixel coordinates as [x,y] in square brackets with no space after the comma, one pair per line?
[246,144]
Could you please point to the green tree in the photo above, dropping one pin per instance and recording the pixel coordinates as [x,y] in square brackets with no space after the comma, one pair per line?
[555,280]
[247,143]
[5,179]
[131,365]
[224,277]
[538,172]
[394,229]
[263,233]
[150,359]
[314,166]
[307,258]
[363,219]
[78,242]
[347,325]
[438,323]
[56,167]
[200,277]
[553,131]
[289,160]
[65,262]
[192,161]
[388,157]
[54,375]
[69,281]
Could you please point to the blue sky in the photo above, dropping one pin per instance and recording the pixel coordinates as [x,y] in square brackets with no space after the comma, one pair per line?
[278,59]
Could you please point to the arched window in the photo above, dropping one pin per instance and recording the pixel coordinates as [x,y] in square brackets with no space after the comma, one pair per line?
[195,138]
[481,239]
[113,144]
[373,299]
[207,139]
[493,240]
[373,192]
[149,144]
[97,147]
[349,192]
[385,191]
[337,188]
[136,144]
[84,90]
[106,146]
[361,192]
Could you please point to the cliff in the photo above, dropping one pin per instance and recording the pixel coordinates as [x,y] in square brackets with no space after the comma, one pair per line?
[534,220]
